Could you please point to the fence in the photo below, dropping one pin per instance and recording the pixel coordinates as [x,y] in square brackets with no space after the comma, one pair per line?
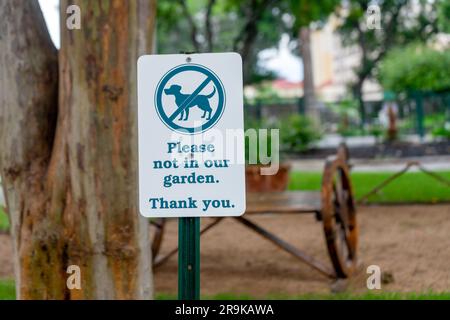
[419,113]
[424,112]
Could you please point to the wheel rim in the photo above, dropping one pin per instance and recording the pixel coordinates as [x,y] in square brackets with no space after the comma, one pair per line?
[339,217]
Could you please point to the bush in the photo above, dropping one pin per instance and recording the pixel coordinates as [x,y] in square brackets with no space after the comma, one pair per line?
[415,68]
[253,152]
[347,109]
[442,131]
[376,130]
[297,133]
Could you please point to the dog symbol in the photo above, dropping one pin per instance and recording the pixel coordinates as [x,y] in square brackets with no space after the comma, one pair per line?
[201,101]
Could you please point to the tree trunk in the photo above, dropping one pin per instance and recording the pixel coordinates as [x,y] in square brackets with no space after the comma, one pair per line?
[71,182]
[358,94]
[28,93]
[309,95]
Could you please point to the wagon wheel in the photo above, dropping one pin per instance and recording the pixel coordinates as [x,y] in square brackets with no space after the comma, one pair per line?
[157,229]
[339,215]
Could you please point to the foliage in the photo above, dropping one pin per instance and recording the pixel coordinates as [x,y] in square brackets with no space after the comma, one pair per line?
[347,110]
[438,124]
[443,16]
[255,143]
[412,187]
[246,27]
[306,11]
[402,22]
[416,68]
[297,133]
[345,107]
[376,130]
[442,131]
[266,92]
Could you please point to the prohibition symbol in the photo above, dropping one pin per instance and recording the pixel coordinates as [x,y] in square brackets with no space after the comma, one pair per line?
[190,99]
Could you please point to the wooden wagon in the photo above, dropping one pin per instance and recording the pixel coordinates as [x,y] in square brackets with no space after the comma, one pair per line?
[333,205]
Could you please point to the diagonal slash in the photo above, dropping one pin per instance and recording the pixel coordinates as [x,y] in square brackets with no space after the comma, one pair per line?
[186,102]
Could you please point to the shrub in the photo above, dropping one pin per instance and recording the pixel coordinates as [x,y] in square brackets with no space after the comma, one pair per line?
[297,133]
[415,68]
[442,130]
[253,151]
[347,109]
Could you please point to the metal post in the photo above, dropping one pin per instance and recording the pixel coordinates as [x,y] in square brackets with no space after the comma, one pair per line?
[301,106]
[420,115]
[258,110]
[189,258]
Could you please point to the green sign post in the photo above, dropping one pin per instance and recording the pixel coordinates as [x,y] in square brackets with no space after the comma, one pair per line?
[189,258]
[182,98]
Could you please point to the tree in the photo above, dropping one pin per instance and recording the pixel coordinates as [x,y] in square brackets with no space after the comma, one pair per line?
[306,12]
[402,22]
[68,160]
[443,8]
[415,68]
[246,27]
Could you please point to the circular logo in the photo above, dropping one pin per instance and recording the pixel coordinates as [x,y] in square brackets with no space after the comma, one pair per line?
[190,99]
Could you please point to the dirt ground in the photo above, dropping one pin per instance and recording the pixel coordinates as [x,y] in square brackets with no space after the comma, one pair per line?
[409,243]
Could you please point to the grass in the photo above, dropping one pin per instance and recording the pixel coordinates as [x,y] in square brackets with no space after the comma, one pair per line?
[339,296]
[7,292]
[412,187]
[4,222]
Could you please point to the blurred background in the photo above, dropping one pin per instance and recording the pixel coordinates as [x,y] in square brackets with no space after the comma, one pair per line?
[374,74]
[371,72]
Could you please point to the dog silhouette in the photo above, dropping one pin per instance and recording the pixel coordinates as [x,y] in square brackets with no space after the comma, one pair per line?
[200,101]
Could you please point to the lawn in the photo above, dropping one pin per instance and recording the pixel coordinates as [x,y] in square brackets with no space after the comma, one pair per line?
[4,223]
[412,187]
[7,292]
[338,296]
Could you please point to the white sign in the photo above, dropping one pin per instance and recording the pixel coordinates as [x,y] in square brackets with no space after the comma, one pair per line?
[191,137]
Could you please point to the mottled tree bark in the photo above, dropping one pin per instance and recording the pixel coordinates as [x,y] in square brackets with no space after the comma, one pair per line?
[69,157]
[28,93]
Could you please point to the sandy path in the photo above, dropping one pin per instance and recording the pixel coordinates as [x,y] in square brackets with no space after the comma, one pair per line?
[410,242]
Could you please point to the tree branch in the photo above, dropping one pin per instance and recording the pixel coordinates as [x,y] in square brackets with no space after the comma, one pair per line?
[368,64]
[192,24]
[208,26]
[249,32]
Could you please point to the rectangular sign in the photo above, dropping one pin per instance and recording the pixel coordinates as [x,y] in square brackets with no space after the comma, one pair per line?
[191,137]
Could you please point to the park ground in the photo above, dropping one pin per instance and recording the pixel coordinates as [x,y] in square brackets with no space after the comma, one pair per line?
[409,243]
[408,240]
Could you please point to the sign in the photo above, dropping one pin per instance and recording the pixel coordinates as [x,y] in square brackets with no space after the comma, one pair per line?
[191,141]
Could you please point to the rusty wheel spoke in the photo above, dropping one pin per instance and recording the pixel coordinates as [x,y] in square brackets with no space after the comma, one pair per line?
[339,216]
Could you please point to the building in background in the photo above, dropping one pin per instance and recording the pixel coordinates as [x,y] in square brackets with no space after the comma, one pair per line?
[333,66]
